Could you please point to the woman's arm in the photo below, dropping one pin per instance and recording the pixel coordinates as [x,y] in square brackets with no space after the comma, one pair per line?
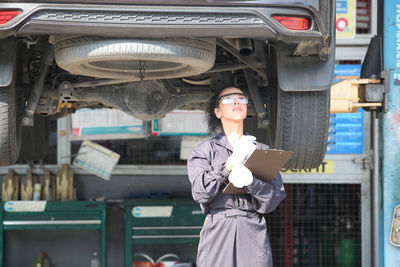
[265,196]
[206,178]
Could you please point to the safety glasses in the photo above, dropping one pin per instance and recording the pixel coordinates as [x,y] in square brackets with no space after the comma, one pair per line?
[232,97]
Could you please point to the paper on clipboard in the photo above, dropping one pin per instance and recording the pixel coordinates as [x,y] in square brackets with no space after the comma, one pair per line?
[264,164]
[96,159]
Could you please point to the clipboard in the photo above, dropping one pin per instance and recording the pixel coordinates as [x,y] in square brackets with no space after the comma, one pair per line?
[264,164]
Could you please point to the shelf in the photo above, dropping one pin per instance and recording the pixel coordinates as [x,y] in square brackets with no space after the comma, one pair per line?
[57,215]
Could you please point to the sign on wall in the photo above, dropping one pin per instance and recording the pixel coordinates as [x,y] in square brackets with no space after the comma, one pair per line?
[105,124]
[181,122]
[346,130]
[345,19]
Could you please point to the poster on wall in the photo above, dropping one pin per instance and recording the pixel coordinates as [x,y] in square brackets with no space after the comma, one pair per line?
[345,19]
[104,124]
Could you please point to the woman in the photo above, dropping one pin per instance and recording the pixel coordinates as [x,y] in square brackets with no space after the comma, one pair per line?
[234,232]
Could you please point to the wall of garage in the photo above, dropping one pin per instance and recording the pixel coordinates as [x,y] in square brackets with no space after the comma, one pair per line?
[327,201]
[325,212]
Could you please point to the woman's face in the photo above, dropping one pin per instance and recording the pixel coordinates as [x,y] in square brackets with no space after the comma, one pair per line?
[228,110]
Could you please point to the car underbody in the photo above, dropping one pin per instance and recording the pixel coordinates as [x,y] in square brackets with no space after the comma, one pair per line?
[147,60]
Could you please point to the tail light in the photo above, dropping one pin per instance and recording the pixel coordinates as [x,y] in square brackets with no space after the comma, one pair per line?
[293,23]
[7,15]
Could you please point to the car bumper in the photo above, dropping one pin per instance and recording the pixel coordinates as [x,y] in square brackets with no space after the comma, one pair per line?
[128,21]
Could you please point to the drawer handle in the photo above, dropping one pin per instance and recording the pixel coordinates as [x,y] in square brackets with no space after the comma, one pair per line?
[52,222]
[164,236]
[165,227]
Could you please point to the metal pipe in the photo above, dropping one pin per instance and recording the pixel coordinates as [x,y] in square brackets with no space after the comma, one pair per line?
[244,46]
[37,88]
[100,82]
[230,41]
[263,121]
[375,192]
[227,67]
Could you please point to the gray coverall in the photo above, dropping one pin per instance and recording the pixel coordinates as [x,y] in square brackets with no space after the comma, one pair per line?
[234,233]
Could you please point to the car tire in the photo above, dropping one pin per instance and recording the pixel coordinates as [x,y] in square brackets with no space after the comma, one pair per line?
[300,123]
[10,125]
[135,59]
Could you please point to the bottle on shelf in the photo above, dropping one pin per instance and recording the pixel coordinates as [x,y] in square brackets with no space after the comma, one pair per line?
[95,261]
[37,191]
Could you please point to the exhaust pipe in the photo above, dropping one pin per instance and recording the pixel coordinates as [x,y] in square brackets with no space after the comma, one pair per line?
[244,46]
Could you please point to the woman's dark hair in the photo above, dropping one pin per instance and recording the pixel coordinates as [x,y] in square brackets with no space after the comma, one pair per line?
[214,124]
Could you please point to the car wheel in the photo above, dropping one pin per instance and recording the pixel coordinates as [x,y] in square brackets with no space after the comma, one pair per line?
[300,123]
[10,125]
[135,59]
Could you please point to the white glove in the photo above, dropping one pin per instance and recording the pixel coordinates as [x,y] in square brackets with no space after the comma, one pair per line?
[242,150]
[240,176]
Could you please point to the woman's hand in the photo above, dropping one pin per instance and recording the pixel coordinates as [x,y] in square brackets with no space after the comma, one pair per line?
[240,176]
[242,150]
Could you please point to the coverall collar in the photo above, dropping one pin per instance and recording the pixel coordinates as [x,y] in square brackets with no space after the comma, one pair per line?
[222,140]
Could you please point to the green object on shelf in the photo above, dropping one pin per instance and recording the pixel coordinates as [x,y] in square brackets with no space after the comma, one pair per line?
[349,250]
[161,221]
[349,247]
[56,215]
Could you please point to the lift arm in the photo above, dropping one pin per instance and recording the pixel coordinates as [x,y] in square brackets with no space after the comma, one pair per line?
[370,94]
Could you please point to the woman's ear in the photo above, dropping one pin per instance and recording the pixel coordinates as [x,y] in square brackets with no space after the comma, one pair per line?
[217,113]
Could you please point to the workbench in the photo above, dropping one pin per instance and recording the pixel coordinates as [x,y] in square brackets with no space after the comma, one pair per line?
[53,215]
[160,221]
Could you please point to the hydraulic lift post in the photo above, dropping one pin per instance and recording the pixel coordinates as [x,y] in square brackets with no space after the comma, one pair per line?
[390,135]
